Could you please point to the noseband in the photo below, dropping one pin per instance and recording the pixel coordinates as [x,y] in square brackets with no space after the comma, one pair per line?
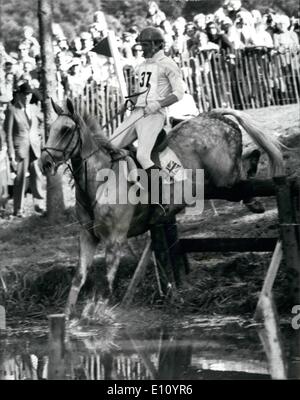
[65,150]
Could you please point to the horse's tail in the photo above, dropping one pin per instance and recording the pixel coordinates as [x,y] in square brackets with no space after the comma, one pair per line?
[270,144]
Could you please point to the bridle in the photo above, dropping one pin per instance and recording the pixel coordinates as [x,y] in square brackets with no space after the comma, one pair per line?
[65,152]
[83,163]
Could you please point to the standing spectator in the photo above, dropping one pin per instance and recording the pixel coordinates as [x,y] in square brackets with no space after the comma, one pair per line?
[262,38]
[23,57]
[257,17]
[190,31]
[221,12]
[100,23]
[234,7]
[199,21]
[245,28]
[30,41]
[4,164]
[226,43]
[213,35]
[283,38]
[137,53]
[127,44]
[233,35]
[28,66]
[155,15]
[270,21]
[295,26]
[22,127]
[36,73]
[87,42]
[7,88]
[179,45]
[168,35]
[96,33]
[74,80]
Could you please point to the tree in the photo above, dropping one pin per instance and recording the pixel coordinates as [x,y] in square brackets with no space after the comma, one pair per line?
[55,200]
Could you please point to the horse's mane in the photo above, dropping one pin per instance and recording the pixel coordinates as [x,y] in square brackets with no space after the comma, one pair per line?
[94,127]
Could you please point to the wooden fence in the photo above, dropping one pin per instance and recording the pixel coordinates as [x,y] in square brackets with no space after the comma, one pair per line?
[250,78]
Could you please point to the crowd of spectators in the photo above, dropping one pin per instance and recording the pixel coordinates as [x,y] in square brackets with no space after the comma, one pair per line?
[230,28]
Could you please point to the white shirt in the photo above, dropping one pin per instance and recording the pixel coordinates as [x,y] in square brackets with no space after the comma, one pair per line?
[164,76]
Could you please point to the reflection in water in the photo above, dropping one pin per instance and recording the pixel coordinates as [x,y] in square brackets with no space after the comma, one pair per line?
[283,355]
[271,338]
[207,352]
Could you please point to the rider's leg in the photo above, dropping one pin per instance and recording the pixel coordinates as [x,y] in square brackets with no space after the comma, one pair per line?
[123,135]
[148,129]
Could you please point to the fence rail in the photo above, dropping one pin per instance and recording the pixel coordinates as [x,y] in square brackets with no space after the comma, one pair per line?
[249,78]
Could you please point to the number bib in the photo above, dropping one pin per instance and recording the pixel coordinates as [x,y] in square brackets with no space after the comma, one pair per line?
[147,74]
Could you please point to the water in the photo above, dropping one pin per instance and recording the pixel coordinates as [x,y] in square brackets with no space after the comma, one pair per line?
[195,348]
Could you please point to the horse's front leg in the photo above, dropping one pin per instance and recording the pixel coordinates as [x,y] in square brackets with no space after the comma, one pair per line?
[87,247]
[113,255]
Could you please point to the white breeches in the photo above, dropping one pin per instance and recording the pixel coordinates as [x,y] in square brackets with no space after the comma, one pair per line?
[147,130]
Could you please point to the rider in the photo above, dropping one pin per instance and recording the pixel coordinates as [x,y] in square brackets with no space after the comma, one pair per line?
[160,85]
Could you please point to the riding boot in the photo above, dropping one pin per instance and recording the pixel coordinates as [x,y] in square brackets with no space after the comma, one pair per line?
[159,209]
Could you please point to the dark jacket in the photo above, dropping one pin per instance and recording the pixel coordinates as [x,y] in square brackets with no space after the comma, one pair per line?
[23,134]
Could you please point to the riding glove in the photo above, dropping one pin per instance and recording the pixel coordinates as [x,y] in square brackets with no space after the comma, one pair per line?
[152,108]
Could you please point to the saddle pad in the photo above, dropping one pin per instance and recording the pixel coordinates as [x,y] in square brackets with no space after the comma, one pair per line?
[171,163]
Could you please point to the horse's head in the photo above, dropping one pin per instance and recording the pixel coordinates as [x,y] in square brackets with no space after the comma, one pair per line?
[64,141]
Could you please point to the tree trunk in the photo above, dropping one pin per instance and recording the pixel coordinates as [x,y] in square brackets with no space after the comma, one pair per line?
[55,199]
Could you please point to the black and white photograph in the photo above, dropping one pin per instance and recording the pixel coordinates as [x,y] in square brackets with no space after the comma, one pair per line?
[149,193]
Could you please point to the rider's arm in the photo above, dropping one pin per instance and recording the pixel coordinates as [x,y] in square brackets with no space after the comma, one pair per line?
[173,73]
[169,100]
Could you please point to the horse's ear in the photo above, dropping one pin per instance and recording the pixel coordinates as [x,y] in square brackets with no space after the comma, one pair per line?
[56,107]
[70,107]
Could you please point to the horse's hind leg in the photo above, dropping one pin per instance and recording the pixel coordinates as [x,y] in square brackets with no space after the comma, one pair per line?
[87,247]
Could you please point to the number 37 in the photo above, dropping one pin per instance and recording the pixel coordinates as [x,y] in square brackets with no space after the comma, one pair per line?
[143,75]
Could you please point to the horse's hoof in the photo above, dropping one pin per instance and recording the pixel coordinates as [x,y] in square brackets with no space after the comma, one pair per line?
[255,206]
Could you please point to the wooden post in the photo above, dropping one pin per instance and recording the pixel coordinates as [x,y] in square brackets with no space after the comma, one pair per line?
[295,67]
[138,274]
[56,369]
[163,258]
[288,198]
[271,338]
[290,234]
[177,257]
[273,269]
[55,199]
[248,80]
[117,62]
